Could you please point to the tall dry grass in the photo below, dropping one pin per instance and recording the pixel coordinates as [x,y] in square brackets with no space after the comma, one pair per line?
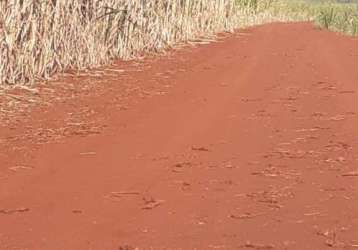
[39,38]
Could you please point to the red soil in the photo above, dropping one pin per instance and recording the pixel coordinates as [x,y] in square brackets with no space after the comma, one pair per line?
[247,143]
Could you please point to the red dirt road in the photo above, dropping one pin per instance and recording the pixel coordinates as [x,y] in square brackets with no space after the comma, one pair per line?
[247,143]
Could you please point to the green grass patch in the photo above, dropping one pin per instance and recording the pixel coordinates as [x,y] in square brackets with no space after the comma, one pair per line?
[339,17]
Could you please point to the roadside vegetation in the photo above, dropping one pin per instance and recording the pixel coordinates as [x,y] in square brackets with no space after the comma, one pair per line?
[40,38]
[339,17]
[335,15]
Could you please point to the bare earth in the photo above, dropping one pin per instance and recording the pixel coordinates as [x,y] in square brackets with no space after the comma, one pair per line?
[247,143]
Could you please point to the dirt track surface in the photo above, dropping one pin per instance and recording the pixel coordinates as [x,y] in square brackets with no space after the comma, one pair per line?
[247,143]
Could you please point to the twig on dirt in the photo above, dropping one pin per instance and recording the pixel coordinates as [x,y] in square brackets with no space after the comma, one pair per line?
[126,193]
[122,193]
[200,149]
[351,174]
[88,153]
[127,247]
[346,197]
[20,98]
[257,246]
[151,203]
[312,214]
[245,216]
[251,100]
[114,196]
[347,92]
[12,211]
[218,246]
[337,118]
[334,243]
[178,168]
[17,98]
[31,90]
[16,168]
[77,211]
[115,70]
[331,238]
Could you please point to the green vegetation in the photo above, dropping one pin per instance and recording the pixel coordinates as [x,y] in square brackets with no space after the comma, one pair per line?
[339,17]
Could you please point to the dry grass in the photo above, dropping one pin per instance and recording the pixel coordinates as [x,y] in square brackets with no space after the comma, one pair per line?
[40,38]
